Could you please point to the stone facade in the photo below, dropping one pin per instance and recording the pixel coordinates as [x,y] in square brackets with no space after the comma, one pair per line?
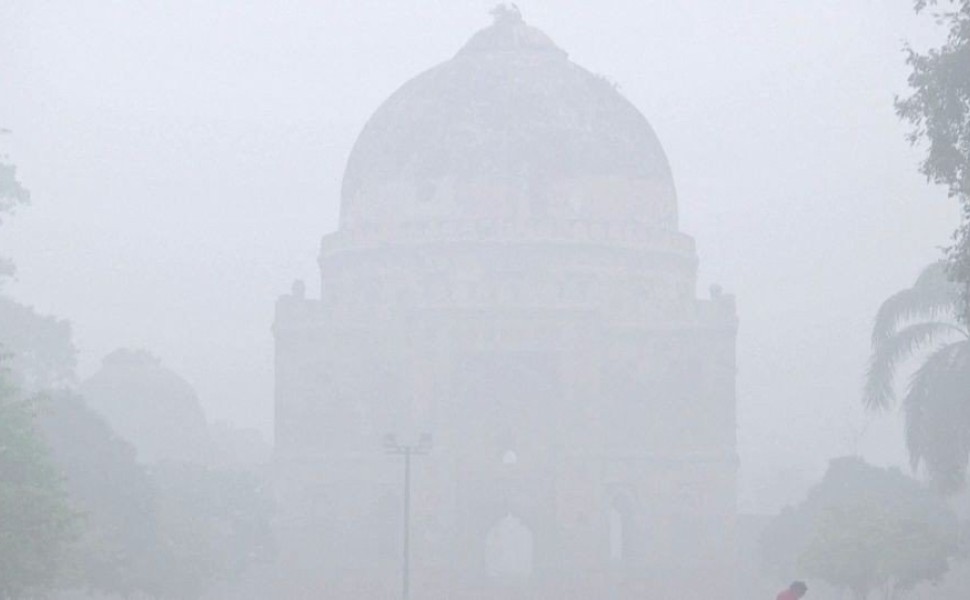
[580,396]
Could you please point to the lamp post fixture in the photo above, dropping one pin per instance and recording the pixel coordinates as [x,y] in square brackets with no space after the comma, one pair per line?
[393,446]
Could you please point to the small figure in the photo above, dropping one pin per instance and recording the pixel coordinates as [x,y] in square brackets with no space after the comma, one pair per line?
[795,591]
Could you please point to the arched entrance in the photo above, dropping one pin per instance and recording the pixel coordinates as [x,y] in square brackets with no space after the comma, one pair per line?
[508,550]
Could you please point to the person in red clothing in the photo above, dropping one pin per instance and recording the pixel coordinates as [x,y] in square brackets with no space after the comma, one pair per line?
[795,591]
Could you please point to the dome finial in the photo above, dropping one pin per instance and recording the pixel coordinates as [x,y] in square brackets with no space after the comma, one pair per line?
[506,13]
[509,33]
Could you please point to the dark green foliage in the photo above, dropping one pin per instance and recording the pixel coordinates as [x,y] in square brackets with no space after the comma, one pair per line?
[939,111]
[77,509]
[38,348]
[863,528]
[110,491]
[866,547]
[36,523]
[172,530]
[921,321]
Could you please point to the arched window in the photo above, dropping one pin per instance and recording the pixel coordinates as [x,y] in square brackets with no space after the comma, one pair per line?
[620,521]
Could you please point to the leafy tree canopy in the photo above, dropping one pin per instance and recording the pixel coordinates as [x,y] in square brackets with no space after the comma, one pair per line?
[862,548]
[39,349]
[36,522]
[863,528]
[169,530]
[939,111]
[108,489]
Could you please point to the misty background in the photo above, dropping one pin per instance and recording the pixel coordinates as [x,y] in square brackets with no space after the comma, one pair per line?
[185,158]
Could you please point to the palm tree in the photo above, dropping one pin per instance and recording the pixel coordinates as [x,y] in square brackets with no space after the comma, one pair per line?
[922,322]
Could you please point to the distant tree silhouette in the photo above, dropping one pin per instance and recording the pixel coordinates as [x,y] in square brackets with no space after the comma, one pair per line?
[170,530]
[149,405]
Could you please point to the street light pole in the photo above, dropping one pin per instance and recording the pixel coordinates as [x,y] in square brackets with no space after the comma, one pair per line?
[406,584]
[392,446]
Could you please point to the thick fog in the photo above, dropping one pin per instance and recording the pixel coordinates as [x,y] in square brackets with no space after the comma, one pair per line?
[184,159]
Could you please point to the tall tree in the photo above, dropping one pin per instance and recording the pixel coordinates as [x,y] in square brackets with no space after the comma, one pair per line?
[37,348]
[36,522]
[921,321]
[939,111]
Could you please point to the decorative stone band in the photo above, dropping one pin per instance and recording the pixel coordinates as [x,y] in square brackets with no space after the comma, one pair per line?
[631,235]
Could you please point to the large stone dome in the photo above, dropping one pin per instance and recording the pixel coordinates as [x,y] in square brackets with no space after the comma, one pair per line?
[509,129]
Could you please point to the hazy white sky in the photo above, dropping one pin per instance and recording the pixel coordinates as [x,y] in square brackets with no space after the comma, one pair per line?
[185,158]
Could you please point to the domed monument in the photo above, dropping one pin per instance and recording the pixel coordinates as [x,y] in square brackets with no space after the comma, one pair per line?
[508,275]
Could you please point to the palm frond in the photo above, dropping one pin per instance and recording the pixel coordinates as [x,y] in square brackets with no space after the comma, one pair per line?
[932,295]
[879,392]
[937,407]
